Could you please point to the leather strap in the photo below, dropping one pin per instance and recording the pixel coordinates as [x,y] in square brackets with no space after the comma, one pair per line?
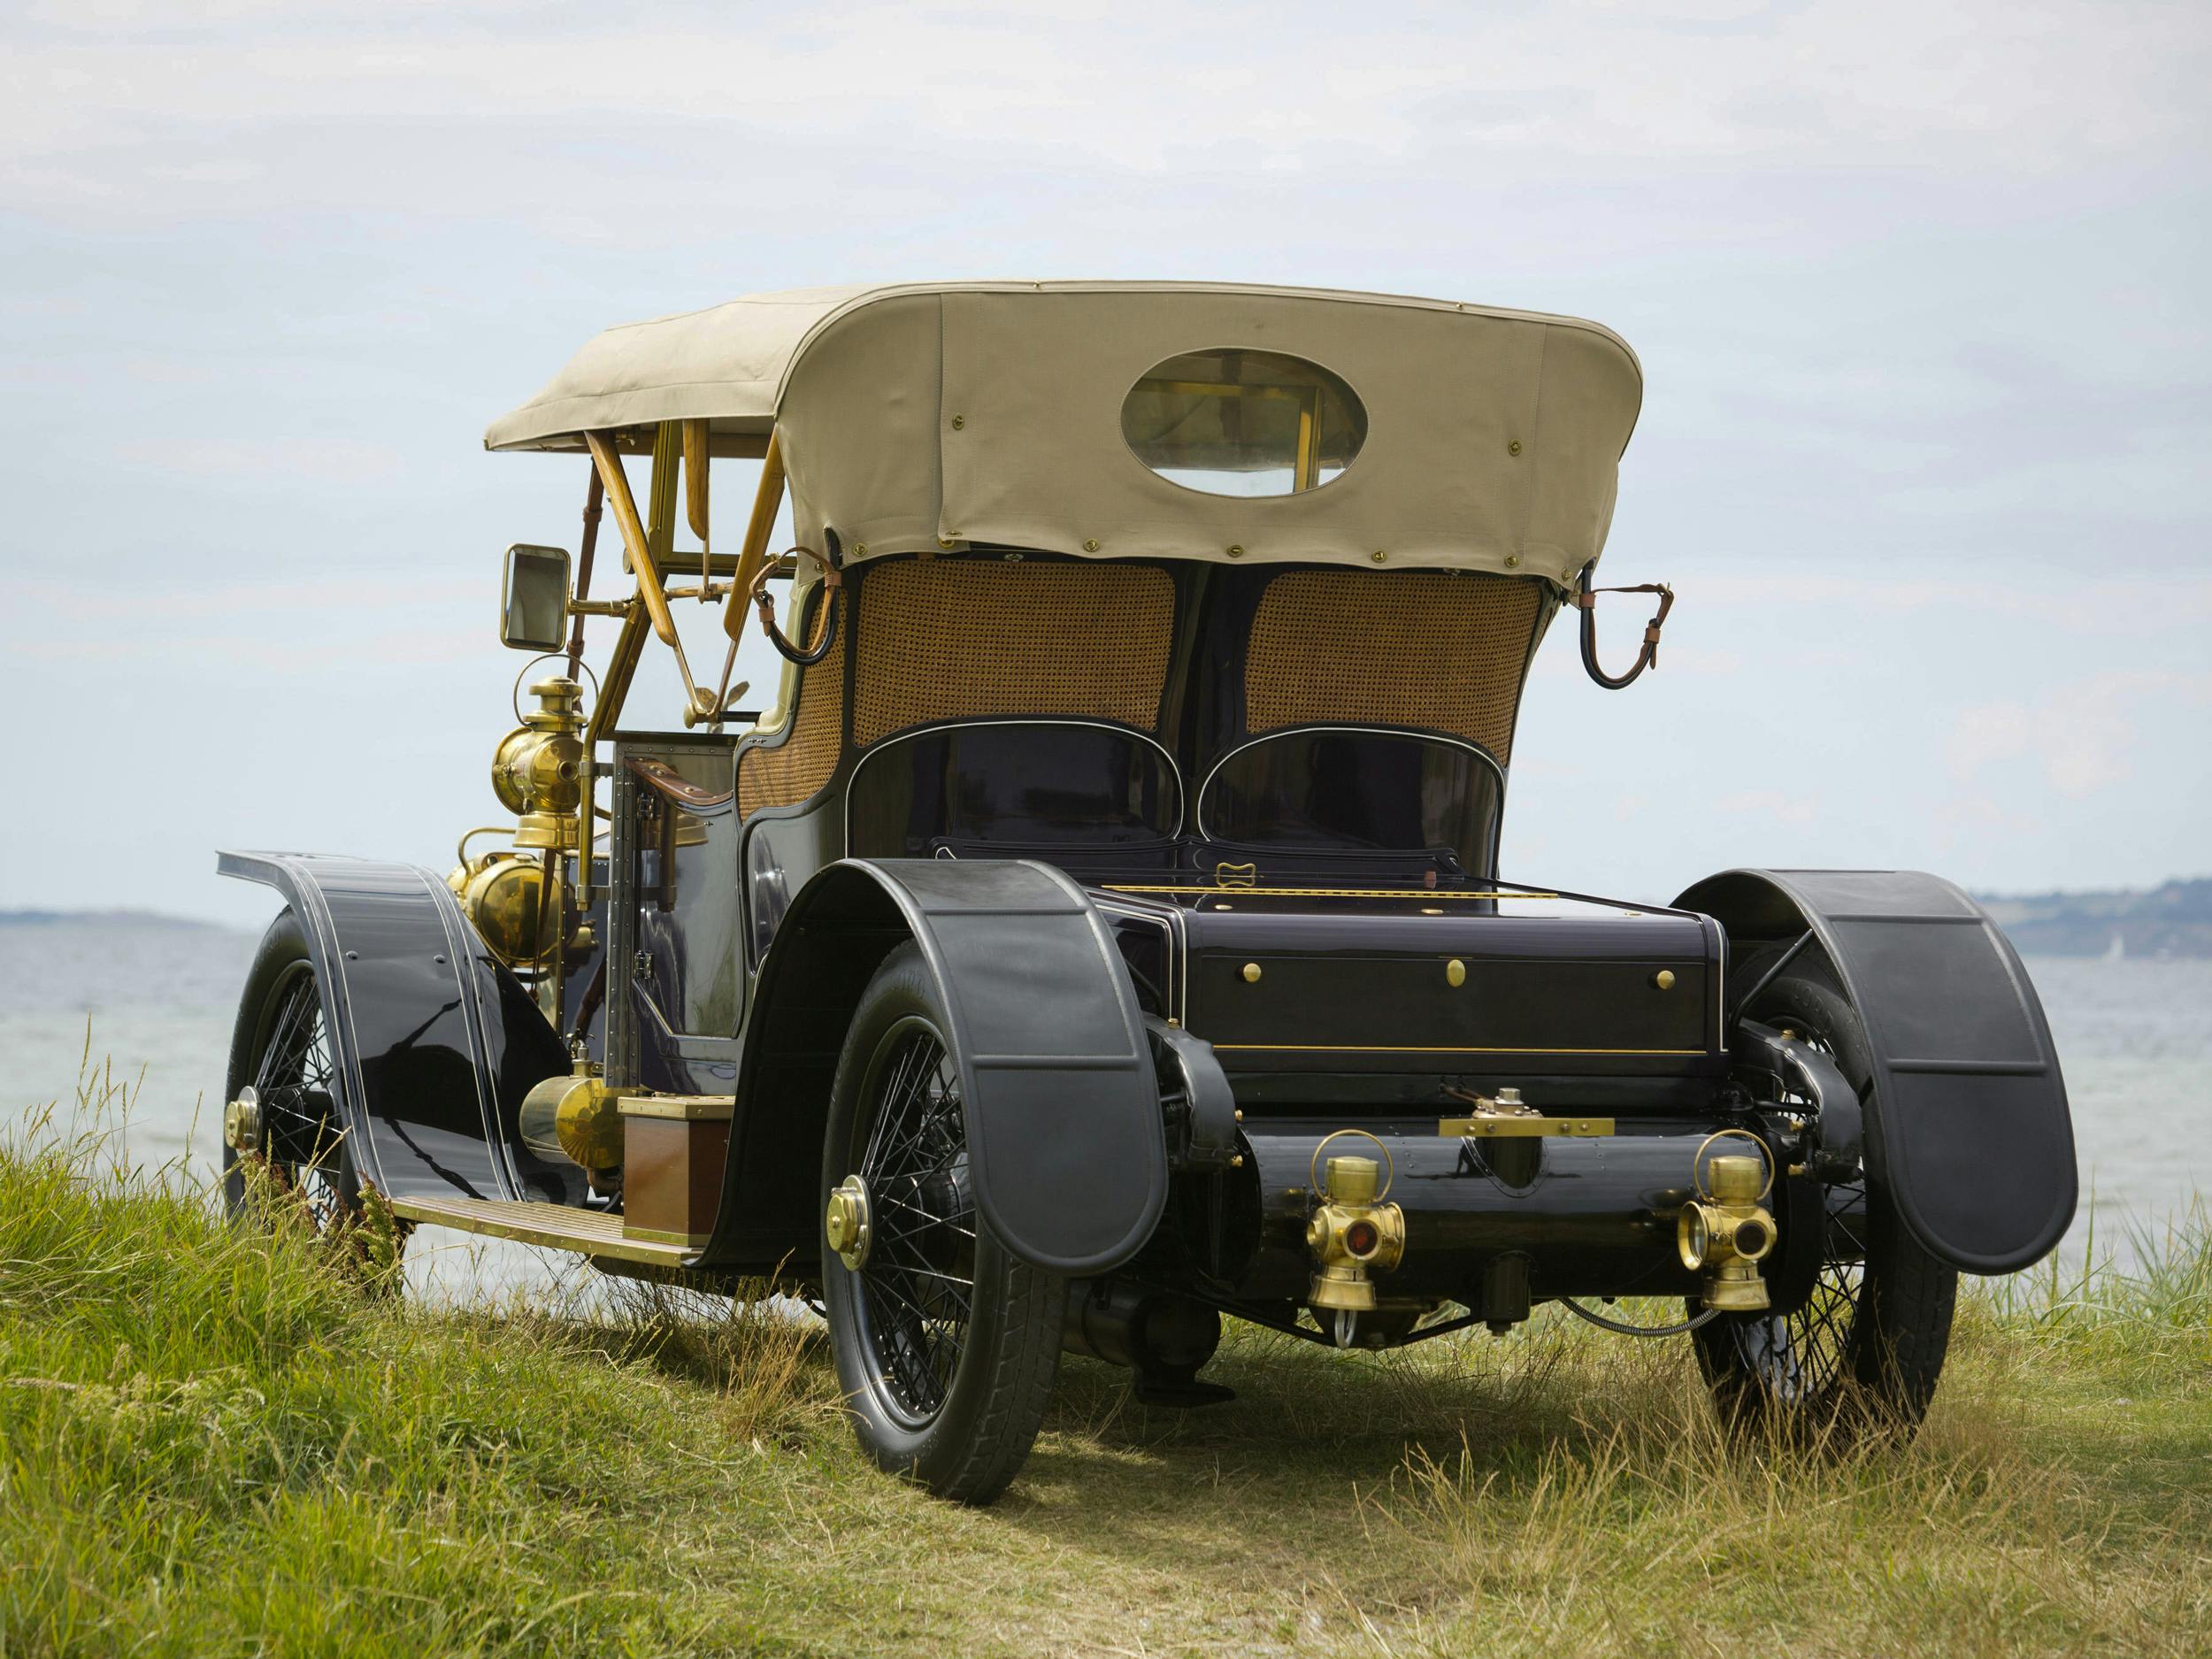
[1586,600]
[665,780]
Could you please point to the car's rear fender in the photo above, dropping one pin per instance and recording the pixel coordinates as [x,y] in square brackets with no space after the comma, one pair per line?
[1065,1145]
[1967,1127]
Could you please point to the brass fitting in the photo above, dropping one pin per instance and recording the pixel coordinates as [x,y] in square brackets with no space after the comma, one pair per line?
[850,1226]
[538,769]
[575,1118]
[244,1126]
[1352,1236]
[504,897]
[538,774]
[1726,1236]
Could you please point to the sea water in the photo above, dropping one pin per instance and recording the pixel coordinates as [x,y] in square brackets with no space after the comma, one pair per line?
[151,1004]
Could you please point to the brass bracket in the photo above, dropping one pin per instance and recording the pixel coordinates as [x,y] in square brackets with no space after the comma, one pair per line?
[1494,1126]
[1506,1117]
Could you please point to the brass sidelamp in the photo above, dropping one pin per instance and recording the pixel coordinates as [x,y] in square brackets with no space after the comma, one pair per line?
[1725,1232]
[514,897]
[1351,1234]
[537,770]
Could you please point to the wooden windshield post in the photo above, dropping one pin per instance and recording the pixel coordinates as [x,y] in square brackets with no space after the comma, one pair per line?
[660,494]
[593,495]
[632,528]
[767,501]
[629,645]
[695,462]
[635,540]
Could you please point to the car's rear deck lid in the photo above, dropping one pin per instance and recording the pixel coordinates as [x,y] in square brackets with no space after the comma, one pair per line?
[1443,980]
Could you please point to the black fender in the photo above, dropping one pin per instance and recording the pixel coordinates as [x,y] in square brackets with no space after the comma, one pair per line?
[1967,1128]
[1065,1147]
[434,1041]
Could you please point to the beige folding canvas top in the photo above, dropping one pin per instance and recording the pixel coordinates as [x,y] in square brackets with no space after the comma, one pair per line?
[919,417]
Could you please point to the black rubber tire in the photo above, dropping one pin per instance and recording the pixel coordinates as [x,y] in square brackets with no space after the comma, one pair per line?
[280,967]
[969,1442]
[1871,1365]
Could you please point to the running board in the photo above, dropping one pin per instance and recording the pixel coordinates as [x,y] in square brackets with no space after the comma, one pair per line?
[555,1227]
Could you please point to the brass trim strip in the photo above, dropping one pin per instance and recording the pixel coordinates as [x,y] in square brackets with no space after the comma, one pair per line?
[1396,1047]
[683,1108]
[555,1226]
[654,1235]
[1421,894]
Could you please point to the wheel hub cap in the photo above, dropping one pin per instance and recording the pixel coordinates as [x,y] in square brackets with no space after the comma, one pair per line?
[242,1121]
[849,1227]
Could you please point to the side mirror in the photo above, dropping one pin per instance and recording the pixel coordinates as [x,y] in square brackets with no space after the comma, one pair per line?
[533,599]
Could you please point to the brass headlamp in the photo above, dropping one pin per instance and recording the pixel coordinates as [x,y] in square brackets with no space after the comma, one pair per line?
[515,898]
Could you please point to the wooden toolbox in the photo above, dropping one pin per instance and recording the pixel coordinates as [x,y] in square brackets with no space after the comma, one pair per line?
[674,1148]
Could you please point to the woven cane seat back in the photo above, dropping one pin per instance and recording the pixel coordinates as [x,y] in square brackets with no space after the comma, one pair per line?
[1431,649]
[789,772]
[970,639]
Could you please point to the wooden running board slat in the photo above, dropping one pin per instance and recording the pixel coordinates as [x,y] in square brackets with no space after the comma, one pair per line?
[555,1227]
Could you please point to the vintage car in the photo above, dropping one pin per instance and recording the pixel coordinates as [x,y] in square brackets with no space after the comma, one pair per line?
[1102,933]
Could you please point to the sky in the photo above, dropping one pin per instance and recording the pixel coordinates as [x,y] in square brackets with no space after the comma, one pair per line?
[1919,292]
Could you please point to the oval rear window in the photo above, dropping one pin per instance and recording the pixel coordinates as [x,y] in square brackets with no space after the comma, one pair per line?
[1234,422]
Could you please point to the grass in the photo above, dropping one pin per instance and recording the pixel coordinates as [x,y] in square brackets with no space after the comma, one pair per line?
[219,1440]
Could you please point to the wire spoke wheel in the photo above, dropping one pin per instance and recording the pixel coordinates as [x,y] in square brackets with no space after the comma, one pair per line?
[287,1161]
[1804,1354]
[946,1344]
[1866,1345]
[918,1284]
[292,1082]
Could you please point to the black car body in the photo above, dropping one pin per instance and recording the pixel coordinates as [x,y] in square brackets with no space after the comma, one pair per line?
[1105,933]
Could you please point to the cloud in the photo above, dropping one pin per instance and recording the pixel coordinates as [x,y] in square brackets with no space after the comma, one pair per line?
[2115,602]
[279,462]
[1918,290]
[121,110]
[332,601]
[1787,808]
[2081,733]
[1988,732]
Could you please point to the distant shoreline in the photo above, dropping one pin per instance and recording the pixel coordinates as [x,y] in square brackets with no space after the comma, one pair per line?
[2171,921]
[113,919]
